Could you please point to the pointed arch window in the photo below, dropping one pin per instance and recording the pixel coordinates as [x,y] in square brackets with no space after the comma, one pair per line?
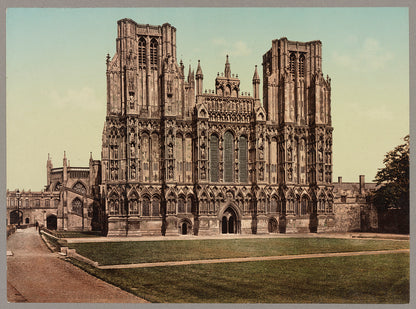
[214,160]
[153,52]
[304,205]
[181,205]
[228,156]
[292,61]
[155,207]
[146,207]
[302,65]
[242,147]
[142,52]
[133,205]
[80,188]
[77,206]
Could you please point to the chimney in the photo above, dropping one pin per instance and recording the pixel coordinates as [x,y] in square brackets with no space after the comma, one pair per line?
[339,180]
[362,184]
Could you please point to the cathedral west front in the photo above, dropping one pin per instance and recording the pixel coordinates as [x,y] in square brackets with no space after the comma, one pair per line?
[180,160]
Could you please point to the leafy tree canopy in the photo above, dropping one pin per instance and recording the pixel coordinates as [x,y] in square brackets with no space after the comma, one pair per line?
[393,179]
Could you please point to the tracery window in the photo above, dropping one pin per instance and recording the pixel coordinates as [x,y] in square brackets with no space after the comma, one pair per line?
[228,156]
[57,186]
[273,205]
[189,204]
[155,206]
[243,158]
[304,205]
[153,52]
[142,52]
[80,188]
[133,206]
[146,207]
[77,206]
[214,158]
[181,205]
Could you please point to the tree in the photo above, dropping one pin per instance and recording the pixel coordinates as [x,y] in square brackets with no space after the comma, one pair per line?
[393,182]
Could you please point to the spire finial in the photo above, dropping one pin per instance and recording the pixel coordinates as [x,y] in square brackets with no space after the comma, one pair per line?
[256,77]
[199,70]
[227,71]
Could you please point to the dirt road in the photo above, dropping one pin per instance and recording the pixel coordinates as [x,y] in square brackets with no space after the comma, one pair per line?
[34,274]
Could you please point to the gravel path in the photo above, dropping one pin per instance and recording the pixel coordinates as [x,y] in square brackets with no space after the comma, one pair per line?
[253,259]
[34,274]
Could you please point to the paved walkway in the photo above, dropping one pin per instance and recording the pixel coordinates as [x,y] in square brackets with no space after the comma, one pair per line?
[253,259]
[34,274]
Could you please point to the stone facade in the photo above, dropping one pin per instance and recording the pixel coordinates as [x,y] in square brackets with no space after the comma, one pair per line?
[353,211]
[180,160]
[70,200]
[177,160]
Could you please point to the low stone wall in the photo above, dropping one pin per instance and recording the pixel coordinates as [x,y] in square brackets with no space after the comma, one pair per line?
[355,217]
[11,229]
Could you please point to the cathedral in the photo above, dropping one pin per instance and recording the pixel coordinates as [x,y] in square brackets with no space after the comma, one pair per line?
[180,160]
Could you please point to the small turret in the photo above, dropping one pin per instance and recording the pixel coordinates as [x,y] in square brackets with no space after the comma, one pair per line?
[49,168]
[256,84]
[227,70]
[199,78]
[65,168]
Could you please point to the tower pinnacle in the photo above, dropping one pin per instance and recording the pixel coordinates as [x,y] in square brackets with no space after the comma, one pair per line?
[227,70]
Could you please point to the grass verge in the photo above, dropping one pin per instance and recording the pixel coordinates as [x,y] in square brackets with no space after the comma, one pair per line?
[357,279]
[111,253]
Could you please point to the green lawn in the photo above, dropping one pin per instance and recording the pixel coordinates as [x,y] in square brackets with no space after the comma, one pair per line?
[176,250]
[357,279]
[76,234]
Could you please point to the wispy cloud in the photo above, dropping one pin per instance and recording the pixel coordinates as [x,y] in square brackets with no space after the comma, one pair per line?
[235,48]
[380,113]
[368,56]
[84,99]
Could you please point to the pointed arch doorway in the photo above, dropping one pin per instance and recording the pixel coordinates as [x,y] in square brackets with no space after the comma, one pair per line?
[230,224]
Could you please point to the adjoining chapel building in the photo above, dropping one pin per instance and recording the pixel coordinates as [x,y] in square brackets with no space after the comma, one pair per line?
[180,160]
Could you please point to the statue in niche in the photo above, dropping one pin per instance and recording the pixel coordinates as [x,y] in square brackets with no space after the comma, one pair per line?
[203,172]
[170,172]
[133,172]
[261,154]
[289,154]
[131,136]
[132,150]
[261,173]
[289,174]
[203,153]
[170,150]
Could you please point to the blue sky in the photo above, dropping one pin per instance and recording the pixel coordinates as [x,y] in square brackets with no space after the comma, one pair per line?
[55,75]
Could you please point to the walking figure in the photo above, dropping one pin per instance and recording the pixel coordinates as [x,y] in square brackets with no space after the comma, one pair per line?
[36,225]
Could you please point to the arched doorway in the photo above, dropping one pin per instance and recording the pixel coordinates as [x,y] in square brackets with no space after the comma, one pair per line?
[51,222]
[14,217]
[272,225]
[184,228]
[27,221]
[229,222]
